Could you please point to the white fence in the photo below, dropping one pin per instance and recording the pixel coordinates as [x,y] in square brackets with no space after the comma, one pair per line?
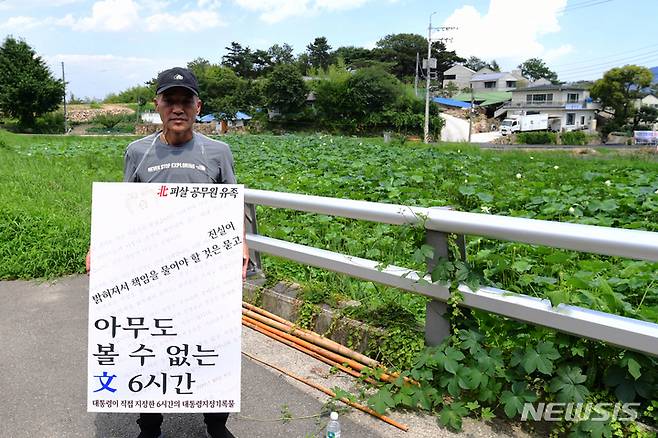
[625,332]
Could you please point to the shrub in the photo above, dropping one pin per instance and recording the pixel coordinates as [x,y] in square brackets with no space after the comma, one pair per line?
[50,123]
[109,121]
[573,138]
[538,137]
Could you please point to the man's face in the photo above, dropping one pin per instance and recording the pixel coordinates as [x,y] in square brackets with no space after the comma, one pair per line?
[178,108]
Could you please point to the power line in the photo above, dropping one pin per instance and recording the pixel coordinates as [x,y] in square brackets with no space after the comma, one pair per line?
[636,58]
[582,5]
[585,61]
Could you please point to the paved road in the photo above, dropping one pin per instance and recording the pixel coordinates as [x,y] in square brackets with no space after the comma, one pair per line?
[43,340]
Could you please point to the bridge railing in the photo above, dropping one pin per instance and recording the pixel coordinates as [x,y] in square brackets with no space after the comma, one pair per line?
[625,332]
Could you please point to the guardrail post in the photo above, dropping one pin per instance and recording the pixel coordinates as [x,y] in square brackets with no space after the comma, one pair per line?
[251,224]
[437,327]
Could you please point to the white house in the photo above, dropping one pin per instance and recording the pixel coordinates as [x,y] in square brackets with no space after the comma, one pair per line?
[458,75]
[498,81]
[648,100]
[569,108]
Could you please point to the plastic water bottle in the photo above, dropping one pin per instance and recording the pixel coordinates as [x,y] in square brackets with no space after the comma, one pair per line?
[333,427]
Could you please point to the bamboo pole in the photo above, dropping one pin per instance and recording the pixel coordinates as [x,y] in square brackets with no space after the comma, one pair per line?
[314,348]
[314,338]
[328,361]
[281,330]
[332,394]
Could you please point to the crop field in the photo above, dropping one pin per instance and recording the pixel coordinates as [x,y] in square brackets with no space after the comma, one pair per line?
[44,232]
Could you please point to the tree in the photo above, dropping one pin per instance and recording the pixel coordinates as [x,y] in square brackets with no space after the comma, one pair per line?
[281,54]
[475,63]
[494,65]
[535,68]
[285,89]
[645,115]
[318,53]
[239,59]
[354,56]
[371,90]
[27,87]
[401,50]
[619,88]
[136,94]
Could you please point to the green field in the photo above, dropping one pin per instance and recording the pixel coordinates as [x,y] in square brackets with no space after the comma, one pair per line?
[44,232]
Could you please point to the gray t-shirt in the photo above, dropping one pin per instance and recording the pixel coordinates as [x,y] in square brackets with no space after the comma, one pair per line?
[200,160]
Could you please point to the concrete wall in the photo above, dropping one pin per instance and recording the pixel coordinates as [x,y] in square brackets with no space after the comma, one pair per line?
[462,76]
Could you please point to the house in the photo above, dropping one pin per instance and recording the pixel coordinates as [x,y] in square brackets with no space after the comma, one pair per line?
[458,75]
[648,100]
[569,107]
[497,81]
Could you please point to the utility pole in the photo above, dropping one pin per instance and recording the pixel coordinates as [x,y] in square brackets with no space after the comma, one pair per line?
[470,116]
[427,89]
[416,75]
[66,128]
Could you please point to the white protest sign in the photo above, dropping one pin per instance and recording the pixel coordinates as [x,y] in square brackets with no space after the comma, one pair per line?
[165,298]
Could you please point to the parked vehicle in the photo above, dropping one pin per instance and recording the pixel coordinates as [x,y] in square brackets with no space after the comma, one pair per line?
[533,122]
[645,137]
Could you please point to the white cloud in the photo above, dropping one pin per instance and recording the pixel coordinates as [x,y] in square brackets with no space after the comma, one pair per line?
[20,23]
[96,75]
[120,15]
[558,52]
[508,31]
[192,21]
[109,15]
[273,11]
[209,4]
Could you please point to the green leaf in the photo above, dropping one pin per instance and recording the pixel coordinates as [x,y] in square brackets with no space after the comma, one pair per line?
[634,368]
[381,401]
[485,197]
[443,270]
[514,400]
[461,271]
[567,385]
[451,415]
[467,190]
[487,414]
[424,396]
[540,359]
[452,358]
[558,296]
[521,266]
[471,340]
[341,393]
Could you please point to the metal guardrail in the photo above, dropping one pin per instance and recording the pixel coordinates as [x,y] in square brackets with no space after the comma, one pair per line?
[622,331]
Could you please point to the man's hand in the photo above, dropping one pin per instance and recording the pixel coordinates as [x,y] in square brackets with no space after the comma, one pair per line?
[88,261]
[245,260]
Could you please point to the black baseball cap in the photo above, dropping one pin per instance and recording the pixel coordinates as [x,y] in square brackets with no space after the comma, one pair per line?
[177,77]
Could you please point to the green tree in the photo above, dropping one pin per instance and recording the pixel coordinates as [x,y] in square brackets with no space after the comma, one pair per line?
[27,87]
[136,94]
[372,90]
[645,115]
[401,50]
[285,89]
[319,54]
[619,88]
[535,68]
[475,63]
[281,54]
[239,59]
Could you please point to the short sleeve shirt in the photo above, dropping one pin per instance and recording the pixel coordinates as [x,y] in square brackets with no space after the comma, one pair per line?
[200,160]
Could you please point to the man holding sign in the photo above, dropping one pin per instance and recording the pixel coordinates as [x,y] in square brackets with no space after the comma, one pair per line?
[177,155]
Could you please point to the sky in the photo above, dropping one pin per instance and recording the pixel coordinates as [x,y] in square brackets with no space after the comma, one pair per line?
[110,45]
